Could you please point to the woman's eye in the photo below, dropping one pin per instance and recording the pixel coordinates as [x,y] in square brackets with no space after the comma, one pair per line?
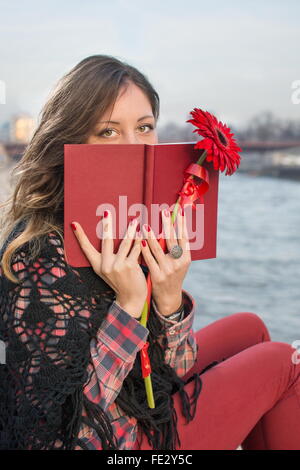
[146,125]
[105,131]
[101,134]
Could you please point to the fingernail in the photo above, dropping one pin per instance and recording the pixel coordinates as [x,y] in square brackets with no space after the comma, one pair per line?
[73,226]
[166,212]
[147,227]
[144,243]
[105,214]
[133,221]
[182,211]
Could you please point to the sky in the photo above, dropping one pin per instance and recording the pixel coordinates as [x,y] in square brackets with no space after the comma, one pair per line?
[234,59]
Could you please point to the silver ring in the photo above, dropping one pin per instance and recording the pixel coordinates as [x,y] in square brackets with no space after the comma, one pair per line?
[176,251]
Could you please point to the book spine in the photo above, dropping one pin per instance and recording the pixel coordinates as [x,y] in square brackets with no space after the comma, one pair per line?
[148,183]
[148,179]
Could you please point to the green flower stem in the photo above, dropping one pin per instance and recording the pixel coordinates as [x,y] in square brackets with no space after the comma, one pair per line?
[149,391]
[201,158]
[147,380]
[175,211]
[143,321]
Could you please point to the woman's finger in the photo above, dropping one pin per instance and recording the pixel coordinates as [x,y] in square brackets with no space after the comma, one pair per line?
[169,230]
[136,249]
[153,244]
[107,248]
[149,259]
[126,243]
[180,227]
[88,249]
[183,240]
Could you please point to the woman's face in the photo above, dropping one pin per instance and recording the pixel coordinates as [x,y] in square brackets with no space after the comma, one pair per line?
[134,122]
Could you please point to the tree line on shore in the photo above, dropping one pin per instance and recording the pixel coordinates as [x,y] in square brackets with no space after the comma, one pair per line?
[261,127]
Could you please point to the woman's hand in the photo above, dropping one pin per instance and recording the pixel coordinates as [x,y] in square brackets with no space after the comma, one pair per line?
[167,273]
[121,272]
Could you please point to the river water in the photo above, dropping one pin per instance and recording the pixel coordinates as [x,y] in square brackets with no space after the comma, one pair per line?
[257,268]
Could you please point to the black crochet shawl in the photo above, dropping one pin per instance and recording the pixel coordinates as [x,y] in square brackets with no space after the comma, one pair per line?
[42,377]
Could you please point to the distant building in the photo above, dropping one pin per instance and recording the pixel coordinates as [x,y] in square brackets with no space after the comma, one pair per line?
[5,132]
[22,128]
[3,156]
[290,157]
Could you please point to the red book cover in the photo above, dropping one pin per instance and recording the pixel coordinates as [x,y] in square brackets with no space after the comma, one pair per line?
[131,181]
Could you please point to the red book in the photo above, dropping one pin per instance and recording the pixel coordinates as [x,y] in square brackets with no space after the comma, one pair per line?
[133,181]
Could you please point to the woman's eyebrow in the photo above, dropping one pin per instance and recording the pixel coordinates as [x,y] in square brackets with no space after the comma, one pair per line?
[140,119]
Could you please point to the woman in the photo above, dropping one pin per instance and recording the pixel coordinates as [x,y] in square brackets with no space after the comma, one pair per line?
[72,376]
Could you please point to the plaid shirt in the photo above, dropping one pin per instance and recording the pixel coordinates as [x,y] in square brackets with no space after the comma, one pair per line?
[113,352]
[119,340]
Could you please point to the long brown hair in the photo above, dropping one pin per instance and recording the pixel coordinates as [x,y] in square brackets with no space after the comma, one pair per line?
[79,100]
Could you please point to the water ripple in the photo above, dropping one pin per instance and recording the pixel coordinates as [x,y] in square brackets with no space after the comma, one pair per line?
[258,256]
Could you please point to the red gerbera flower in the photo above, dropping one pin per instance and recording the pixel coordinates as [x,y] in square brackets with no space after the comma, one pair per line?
[218,141]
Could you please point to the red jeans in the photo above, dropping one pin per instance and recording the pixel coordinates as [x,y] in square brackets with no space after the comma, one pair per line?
[252,398]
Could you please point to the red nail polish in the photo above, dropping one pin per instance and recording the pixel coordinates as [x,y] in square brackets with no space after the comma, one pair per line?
[105,214]
[73,226]
[147,227]
[144,243]
[182,211]
[166,212]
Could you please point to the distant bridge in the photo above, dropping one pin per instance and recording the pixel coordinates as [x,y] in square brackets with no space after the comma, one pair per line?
[15,150]
[267,145]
